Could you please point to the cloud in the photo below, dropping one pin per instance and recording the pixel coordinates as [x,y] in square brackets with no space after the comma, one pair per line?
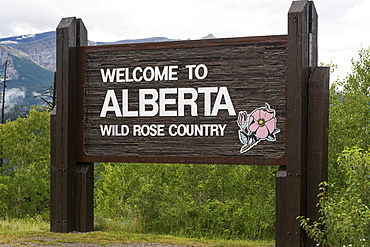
[343,24]
[112,20]
[22,17]
[13,96]
[342,32]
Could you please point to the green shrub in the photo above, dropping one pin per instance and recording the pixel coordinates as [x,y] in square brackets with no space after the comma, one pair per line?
[344,207]
[189,200]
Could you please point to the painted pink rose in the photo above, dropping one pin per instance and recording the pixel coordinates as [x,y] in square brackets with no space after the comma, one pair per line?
[242,119]
[262,122]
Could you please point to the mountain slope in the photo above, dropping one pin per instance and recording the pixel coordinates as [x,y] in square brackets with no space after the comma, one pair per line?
[133,41]
[24,78]
[39,47]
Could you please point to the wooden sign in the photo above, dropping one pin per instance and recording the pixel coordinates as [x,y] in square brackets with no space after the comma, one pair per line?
[251,101]
[207,101]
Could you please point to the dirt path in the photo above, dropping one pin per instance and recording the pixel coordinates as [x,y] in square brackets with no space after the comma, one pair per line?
[48,242]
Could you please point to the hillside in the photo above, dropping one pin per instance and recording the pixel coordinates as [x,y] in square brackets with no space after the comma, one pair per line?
[39,47]
[25,79]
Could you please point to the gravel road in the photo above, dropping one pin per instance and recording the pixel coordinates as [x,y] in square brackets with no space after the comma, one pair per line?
[59,242]
[88,245]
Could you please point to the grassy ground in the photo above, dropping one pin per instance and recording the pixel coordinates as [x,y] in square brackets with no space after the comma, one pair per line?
[34,231]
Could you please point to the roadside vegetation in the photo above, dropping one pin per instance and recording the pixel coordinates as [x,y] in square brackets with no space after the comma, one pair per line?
[345,199]
[30,231]
[151,202]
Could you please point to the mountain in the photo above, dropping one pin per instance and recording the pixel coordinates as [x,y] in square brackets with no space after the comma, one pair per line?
[39,47]
[32,62]
[133,41]
[24,80]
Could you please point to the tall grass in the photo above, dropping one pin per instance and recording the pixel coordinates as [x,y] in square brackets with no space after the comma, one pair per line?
[29,231]
[24,225]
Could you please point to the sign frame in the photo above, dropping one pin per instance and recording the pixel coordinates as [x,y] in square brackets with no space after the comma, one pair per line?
[302,167]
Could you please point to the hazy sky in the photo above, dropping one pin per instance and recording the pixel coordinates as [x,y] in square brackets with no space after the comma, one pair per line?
[344,26]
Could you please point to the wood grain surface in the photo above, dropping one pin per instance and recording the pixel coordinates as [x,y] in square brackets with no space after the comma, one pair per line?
[253,70]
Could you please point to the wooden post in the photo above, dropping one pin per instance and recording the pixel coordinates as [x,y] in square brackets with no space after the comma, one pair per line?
[298,73]
[71,32]
[84,197]
[317,139]
[281,202]
[302,54]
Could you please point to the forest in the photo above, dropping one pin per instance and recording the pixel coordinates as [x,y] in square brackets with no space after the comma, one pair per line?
[205,201]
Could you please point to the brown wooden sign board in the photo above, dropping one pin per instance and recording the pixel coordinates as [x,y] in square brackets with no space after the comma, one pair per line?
[179,102]
[251,101]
